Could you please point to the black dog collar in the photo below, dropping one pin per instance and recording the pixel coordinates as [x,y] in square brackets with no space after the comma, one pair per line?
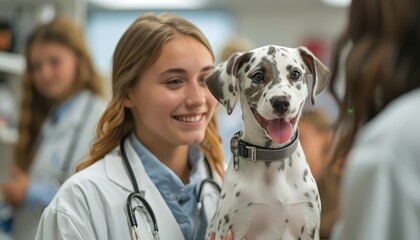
[253,153]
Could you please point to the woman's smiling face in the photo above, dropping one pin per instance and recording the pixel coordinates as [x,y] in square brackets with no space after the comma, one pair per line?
[171,103]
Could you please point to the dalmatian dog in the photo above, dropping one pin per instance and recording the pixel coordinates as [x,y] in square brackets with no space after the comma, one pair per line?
[268,190]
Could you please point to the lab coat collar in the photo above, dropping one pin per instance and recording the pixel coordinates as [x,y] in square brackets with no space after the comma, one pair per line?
[117,173]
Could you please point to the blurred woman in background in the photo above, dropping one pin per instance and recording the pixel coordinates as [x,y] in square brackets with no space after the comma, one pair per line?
[380,136]
[60,107]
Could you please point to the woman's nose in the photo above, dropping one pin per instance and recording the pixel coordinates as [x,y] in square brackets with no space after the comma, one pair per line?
[195,96]
[44,71]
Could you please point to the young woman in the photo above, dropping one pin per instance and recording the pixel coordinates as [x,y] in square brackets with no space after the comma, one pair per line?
[60,109]
[381,136]
[158,157]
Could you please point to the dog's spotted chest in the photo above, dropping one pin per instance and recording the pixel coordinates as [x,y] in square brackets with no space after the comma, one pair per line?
[274,203]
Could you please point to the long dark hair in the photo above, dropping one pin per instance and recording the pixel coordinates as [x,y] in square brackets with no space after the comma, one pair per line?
[381,65]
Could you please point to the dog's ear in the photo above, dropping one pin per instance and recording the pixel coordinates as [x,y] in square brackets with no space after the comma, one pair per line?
[320,73]
[223,83]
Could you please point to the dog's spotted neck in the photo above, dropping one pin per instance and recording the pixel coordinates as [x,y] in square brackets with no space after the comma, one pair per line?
[240,148]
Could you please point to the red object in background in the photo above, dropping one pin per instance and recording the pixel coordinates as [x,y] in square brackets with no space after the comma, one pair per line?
[318,47]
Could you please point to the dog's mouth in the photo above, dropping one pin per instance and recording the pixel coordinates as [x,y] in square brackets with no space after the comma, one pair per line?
[280,129]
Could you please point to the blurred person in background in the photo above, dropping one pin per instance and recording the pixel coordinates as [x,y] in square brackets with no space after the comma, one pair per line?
[314,135]
[60,107]
[380,137]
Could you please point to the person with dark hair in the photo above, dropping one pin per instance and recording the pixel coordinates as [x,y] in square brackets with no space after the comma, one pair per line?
[61,104]
[379,133]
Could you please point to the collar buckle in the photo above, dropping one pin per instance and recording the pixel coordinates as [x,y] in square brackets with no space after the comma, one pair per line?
[252,153]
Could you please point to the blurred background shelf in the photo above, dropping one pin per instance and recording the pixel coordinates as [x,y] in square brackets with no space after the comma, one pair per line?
[8,135]
[12,63]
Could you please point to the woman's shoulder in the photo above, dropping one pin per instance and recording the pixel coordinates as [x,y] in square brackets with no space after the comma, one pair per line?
[398,118]
[91,180]
[393,132]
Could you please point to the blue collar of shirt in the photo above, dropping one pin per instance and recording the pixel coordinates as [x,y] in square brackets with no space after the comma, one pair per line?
[61,110]
[164,178]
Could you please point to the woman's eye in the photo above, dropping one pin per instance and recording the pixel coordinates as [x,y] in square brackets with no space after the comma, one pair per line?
[295,75]
[202,81]
[173,82]
[258,77]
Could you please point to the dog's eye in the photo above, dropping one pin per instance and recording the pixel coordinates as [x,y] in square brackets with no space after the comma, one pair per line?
[295,75]
[257,77]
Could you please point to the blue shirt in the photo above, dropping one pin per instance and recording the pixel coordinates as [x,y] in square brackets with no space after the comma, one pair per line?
[180,198]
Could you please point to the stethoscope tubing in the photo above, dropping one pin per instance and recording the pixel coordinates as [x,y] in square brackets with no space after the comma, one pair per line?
[139,196]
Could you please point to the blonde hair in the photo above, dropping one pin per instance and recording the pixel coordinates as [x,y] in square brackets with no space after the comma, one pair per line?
[235,44]
[139,47]
[35,107]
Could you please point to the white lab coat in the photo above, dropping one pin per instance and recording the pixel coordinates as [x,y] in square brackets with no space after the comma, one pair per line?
[48,162]
[380,197]
[92,204]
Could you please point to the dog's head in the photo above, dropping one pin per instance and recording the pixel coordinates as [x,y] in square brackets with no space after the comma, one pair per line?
[273,83]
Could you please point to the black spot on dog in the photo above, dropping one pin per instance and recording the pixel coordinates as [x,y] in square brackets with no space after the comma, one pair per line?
[268,142]
[238,193]
[230,63]
[230,226]
[281,167]
[218,226]
[247,68]
[226,217]
[289,67]
[223,195]
[284,49]
[235,185]
[316,197]
[287,221]
[271,50]
[236,211]
[252,60]
[290,161]
[295,60]
[230,88]
[267,164]
[312,233]
[310,205]
[240,62]
[303,229]
[305,173]
[298,86]
[215,85]
[249,204]
[307,195]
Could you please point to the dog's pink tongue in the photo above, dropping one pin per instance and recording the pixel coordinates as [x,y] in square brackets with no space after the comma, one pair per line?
[279,130]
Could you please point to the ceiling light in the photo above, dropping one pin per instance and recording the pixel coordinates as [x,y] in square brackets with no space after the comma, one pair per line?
[149,4]
[337,3]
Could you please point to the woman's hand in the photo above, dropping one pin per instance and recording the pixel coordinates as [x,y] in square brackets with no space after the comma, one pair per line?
[14,191]
[229,236]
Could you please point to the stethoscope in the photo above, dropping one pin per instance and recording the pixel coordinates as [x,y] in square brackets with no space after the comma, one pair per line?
[140,196]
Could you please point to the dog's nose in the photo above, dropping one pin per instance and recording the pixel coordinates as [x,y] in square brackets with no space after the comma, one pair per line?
[280,104]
